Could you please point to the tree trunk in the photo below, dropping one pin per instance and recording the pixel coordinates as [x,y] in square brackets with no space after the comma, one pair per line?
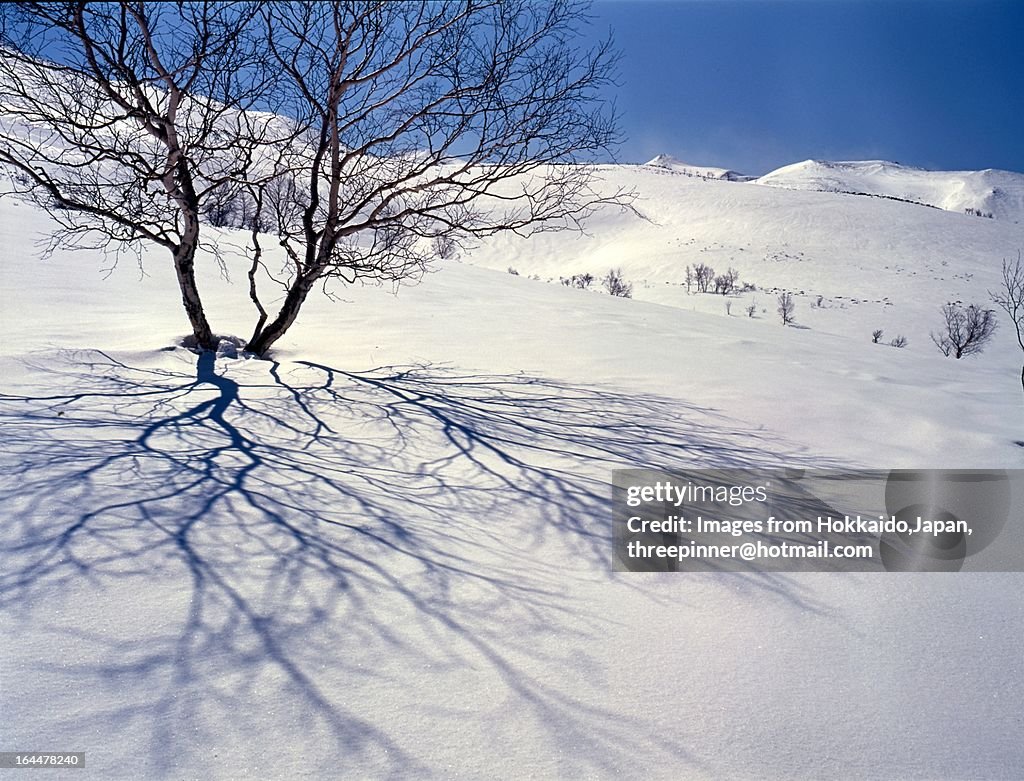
[184,267]
[264,339]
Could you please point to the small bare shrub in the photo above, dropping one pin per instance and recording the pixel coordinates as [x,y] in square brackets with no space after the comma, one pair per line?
[446,247]
[786,308]
[616,285]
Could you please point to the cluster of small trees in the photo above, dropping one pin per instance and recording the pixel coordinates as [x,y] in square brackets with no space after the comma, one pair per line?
[579,281]
[966,329]
[977,212]
[614,282]
[726,283]
[703,278]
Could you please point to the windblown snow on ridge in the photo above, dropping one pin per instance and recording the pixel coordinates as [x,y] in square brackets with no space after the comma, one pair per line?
[991,192]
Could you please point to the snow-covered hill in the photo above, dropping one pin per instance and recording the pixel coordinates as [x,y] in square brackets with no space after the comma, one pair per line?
[853,264]
[999,194]
[386,552]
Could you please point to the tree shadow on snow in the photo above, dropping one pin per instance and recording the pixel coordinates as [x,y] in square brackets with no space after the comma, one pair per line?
[300,536]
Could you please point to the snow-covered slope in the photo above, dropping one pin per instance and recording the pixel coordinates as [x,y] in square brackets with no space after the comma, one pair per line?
[670,163]
[854,265]
[386,553]
[989,192]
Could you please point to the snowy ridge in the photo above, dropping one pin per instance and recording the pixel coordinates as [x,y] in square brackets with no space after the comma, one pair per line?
[990,192]
[670,163]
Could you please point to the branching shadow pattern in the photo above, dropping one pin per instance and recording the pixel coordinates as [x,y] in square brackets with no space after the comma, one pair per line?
[306,535]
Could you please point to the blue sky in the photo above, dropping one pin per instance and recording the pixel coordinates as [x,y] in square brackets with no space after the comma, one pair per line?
[756,84]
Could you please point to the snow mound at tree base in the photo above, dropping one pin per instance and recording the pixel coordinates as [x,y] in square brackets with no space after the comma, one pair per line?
[227,347]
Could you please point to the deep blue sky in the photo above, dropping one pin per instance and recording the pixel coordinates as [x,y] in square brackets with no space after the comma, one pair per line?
[756,84]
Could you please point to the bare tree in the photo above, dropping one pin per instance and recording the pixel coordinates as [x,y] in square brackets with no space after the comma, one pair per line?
[1011,298]
[726,283]
[122,120]
[876,335]
[704,276]
[786,308]
[965,330]
[405,130]
[615,283]
[419,122]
